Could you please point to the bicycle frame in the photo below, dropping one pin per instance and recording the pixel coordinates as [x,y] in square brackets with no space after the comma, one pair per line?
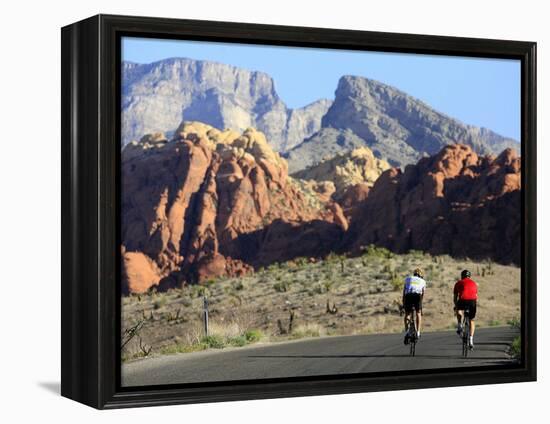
[465,333]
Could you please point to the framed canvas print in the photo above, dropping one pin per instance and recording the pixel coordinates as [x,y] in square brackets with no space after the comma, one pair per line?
[255,211]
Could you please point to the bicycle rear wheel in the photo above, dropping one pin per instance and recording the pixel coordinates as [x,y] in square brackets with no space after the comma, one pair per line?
[412,333]
[466,335]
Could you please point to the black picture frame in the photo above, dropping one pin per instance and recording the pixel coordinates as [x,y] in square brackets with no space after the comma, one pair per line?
[90,201]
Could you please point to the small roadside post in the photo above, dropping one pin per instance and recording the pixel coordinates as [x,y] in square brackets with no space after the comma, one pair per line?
[205,314]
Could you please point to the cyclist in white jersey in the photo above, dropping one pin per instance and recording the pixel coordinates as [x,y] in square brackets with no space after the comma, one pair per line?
[413,292]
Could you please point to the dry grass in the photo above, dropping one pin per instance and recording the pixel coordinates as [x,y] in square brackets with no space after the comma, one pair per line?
[363,295]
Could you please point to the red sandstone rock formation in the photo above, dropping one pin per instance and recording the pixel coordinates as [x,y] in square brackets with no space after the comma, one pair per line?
[211,203]
[454,202]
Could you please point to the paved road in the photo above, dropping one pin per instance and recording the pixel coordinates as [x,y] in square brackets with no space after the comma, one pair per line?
[321,356]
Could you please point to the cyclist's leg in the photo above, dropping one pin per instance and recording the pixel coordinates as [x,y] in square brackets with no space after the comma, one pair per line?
[473,311]
[459,319]
[419,315]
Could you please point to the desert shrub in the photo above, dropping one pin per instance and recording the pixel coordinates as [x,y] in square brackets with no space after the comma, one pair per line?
[238,285]
[301,261]
[159,303]
[273,267]
[515,323]
[319,289]
[333,258]
[515,348]
[213,341]
[307,330]
[403,268]
[397,283]
[183,348]
[238,341]
[281,286]
[186,302]
[253,336]
[494,323]
[388,268]
[377,252]
[198,291]
[416,253]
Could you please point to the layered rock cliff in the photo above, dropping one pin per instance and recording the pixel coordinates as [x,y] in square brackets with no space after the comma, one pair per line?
[358,166]
[206,203]
[209,203]
[455,202]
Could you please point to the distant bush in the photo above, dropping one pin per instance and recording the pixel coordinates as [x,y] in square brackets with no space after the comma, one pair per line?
[253,336]
[320,289]
[183,348]
[238,341]
[307,330]
[273,267]
[159,303]
[334,258]
[301,261]
[238,285]
[213,341]
[417,253]
[515,348]
[397,283]
[515,323]
[281,286]
[377,252]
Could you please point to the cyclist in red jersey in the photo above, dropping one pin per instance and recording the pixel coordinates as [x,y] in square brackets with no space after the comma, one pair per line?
[465,296]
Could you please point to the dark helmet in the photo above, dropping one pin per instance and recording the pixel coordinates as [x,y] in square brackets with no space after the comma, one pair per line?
[465,274]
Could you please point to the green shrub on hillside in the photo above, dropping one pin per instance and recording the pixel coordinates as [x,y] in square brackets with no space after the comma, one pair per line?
[213,341]
[281,286]
[397,283]
[377,252]
[253,336]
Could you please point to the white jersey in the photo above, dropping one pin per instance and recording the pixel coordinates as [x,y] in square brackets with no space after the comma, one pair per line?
[414,284]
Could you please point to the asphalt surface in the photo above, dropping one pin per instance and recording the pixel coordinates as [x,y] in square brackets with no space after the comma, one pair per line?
[321,356]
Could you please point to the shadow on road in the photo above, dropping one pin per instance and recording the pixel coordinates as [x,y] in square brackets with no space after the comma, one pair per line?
[470,358]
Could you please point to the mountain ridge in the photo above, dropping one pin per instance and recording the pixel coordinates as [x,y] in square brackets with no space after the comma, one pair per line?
[396,126]
[159,95]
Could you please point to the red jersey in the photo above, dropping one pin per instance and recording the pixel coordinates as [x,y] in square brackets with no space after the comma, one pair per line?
[466,289]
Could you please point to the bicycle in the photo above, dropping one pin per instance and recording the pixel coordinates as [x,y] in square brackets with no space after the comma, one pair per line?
[466,333]
[413,338]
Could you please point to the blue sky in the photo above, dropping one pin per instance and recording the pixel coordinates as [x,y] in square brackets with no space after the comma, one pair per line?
[482,92]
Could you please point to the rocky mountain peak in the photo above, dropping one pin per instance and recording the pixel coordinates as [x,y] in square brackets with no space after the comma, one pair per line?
[158,96]
[393,124]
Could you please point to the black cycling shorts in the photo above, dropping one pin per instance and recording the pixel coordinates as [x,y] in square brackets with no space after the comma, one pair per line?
[413,300]
[471,305]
